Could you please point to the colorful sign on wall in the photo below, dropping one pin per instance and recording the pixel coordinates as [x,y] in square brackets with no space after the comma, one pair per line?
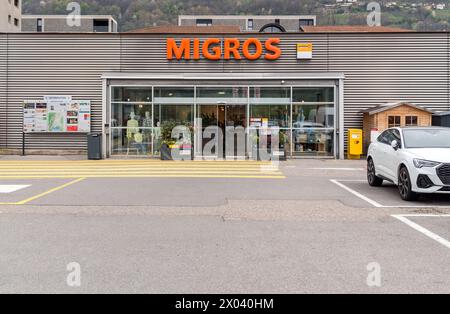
[304,51]
[57,115]
[223,49]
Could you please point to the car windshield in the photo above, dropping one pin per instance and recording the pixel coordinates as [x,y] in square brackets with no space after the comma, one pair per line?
[427,138]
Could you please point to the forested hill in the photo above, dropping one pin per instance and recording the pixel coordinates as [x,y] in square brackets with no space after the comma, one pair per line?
[139,13]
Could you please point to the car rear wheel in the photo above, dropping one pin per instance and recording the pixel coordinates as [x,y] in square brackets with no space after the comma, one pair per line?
[405,186]
[372,178]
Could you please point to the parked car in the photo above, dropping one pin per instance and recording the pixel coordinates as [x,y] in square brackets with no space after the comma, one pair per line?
[416,159]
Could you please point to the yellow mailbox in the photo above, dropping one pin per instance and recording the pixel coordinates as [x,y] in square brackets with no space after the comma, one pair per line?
[355,143]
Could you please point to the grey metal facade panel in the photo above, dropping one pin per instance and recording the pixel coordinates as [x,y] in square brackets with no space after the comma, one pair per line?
[53,64]
[3,90]
[378,68]
[288,61]
[383,68]
[146,53]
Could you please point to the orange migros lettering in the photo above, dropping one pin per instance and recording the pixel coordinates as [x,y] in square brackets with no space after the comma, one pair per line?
[226,49]
[184,51]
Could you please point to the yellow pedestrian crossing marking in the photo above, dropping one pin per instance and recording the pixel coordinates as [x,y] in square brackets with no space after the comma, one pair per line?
[138,169]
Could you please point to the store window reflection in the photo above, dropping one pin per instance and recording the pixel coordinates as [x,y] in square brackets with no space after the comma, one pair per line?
[132,94]
[313,116]
[270,108]
[171,105]
[131,121]
[304,117]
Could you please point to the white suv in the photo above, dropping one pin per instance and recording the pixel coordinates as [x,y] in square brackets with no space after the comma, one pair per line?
[416,159]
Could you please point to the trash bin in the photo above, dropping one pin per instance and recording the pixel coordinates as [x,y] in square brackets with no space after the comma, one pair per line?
[94,146]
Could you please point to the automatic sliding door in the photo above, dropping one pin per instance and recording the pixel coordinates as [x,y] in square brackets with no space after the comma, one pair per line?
[235,131]
[208,117]
[223,108]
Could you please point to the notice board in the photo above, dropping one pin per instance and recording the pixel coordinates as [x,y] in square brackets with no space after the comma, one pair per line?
[57,115]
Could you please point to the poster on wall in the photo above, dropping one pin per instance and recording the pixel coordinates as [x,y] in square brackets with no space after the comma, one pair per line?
[57,114]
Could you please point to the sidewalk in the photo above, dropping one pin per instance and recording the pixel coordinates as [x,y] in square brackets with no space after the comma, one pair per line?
[41,157]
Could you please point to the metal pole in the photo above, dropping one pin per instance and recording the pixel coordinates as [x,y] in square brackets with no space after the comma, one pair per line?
[23,143]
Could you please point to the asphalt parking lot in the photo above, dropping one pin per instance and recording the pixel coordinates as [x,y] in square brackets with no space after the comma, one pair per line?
[307,226]
[200,184]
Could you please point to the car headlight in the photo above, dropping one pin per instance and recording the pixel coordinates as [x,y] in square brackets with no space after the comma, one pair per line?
[421,163]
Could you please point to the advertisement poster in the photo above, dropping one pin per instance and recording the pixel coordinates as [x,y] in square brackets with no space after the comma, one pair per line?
[28,116]
[57,114]
[40,114]
[84,116]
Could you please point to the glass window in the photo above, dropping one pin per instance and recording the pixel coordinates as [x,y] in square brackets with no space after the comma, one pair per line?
[270,107]
[270,92]
[263,116]
[313,116]
[174,104]
[174,92]
[122,113]
[131,141]
[39,25]
[305,115]
[132,94]
[226,95]
[250,24]
[411,121]
[306,22]
[397,137]
[313,142]
[394,121]
[382,137]
[427,138]
[272,28]
[222,92]
[319,94]
[182,114]
[388,136]
[101,26]
[204,22]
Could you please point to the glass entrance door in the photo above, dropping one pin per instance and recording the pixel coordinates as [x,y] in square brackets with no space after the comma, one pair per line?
[235,131]
[209,118]
[221,110]
[221,124]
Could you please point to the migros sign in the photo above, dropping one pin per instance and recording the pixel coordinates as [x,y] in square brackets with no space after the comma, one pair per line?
[223,49]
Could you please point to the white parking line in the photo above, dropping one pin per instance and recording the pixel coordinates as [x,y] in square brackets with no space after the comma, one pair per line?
[339,169]
[364,198]
[417,227]
[7,189]
[375,203]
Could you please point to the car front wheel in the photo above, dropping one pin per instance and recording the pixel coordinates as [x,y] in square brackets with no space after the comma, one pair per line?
[405,185]
[372,178]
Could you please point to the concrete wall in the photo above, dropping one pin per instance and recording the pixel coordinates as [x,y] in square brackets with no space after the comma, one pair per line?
[59,24]
[7,7]
[291,24]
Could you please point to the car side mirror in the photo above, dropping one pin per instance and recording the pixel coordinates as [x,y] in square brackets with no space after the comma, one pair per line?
[395,145]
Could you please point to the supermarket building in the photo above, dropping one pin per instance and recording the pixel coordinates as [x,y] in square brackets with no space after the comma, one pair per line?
[313,85]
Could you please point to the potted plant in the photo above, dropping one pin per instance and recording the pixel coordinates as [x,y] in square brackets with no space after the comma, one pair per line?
[166,140]
[283,141]
[168,144]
